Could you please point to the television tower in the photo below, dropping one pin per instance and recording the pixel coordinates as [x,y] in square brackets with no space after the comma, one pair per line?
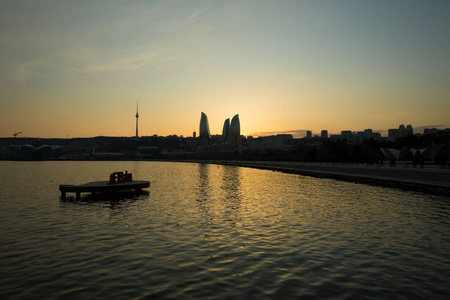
[137,116]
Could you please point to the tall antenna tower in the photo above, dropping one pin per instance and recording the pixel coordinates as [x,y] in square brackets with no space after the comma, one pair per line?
[137,116]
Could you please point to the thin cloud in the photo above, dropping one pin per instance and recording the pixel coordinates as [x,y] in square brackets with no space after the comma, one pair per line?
[137,61]
[295,133]
[29,69]
[193,17]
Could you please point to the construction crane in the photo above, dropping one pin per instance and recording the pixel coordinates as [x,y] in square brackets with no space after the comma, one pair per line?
[15,134]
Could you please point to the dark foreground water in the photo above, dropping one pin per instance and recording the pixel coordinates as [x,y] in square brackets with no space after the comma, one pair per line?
[221,232]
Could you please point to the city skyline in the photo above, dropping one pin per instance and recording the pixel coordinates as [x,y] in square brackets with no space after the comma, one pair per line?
[204,131]
[76,69]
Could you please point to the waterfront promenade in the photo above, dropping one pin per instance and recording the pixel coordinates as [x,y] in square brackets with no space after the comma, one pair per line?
[428,179]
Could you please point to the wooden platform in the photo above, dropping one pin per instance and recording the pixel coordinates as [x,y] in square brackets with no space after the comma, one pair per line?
[102,187]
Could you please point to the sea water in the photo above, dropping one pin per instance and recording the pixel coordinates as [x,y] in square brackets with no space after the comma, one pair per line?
[219,232]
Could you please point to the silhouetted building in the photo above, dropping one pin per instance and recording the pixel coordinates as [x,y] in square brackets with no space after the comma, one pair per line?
[335,137]
[324,134]
[226,129]
[409,130]
[235,127]
[360,136]
[393,133]
[347,135]
[430,131]
[279,141]
[401,131]
[308,134]
[204,127]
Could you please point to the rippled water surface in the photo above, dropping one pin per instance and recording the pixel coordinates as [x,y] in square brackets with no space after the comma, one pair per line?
[208,231]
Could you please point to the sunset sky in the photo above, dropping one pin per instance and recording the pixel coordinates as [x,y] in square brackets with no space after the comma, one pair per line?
[77,68]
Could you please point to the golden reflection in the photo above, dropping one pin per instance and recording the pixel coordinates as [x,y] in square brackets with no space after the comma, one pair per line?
[203,195]
[231,186]
[203,182]
[219,193]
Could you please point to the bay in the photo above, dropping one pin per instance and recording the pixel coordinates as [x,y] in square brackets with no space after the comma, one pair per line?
[219,232]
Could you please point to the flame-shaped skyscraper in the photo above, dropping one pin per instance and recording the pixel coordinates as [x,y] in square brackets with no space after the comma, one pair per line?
[204,127]
[235,127]
[226,129]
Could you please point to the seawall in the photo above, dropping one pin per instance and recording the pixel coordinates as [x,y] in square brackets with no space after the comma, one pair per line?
[431,179]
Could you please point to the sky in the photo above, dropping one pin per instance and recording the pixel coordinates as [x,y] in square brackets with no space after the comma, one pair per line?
[79,68]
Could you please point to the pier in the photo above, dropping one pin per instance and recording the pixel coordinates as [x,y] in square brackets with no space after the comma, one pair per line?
[118,181]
